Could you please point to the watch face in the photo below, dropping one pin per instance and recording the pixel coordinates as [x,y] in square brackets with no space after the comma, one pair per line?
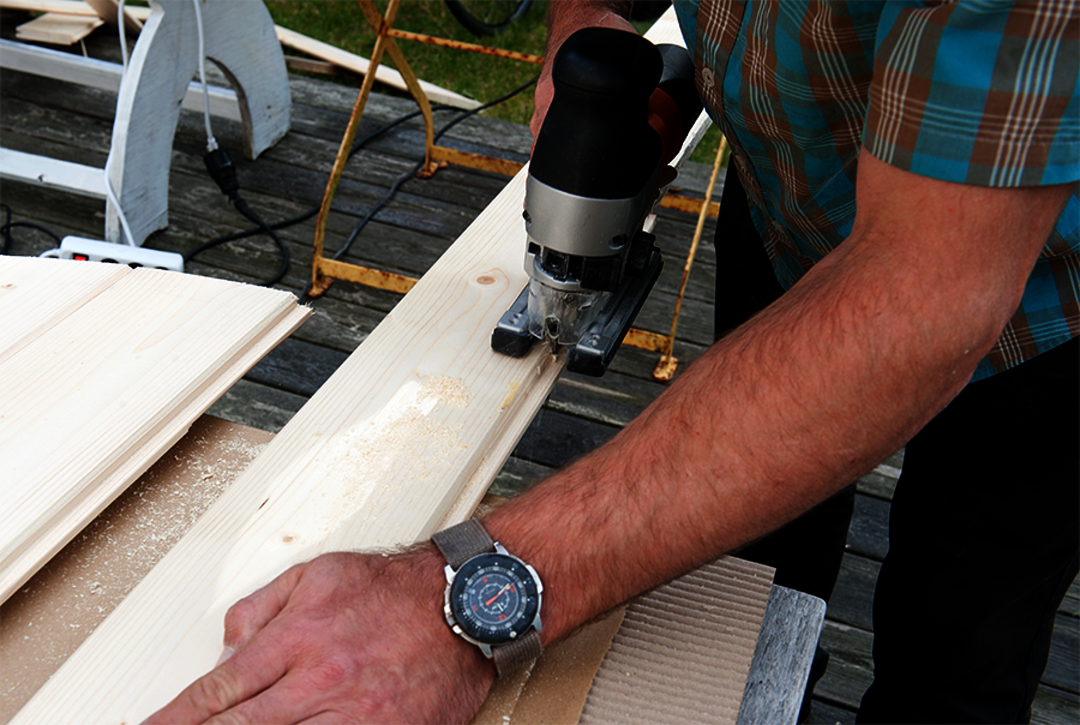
[494,598]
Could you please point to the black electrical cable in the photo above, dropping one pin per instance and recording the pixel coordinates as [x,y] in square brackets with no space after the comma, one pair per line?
[222,171]
[224,239]
[6,240]
[263,227]
[415,169]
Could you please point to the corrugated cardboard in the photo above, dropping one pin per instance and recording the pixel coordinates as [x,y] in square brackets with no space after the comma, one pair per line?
[679,654]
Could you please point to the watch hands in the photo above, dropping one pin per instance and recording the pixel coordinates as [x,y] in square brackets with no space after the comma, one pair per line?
[501,591]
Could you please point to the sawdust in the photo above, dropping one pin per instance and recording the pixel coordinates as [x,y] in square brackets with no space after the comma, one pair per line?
[445,389]
[411,440]
[43,623]
[511,393]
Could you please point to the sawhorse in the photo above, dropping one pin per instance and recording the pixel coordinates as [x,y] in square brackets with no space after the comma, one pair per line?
[239,38]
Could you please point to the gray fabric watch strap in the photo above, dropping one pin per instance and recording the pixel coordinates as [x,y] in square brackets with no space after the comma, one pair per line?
[458,544]
[463,541]
[512,656]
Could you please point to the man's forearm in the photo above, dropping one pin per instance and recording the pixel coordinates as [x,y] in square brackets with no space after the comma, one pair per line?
[806,397]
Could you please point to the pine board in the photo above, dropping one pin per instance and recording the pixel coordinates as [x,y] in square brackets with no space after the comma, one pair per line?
[58,29]
[404,438]
[422,413]
[102,369]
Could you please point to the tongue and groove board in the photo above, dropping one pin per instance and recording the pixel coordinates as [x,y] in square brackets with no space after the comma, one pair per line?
[420,414]
[401,441]
[102,369]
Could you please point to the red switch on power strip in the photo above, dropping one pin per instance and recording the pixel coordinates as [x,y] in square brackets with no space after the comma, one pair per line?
[94,250]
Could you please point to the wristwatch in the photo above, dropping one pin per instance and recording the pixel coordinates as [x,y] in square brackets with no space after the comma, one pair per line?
[492,598]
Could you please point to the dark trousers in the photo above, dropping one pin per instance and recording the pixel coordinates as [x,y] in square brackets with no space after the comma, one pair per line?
[984,528]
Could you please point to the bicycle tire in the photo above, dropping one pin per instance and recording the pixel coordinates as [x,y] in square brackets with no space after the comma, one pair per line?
[487,17]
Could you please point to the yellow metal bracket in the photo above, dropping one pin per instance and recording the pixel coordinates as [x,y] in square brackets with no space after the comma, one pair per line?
[326,269]
[665,369]
[323,269]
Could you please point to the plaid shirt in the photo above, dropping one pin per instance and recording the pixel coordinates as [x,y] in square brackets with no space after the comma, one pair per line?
[980,92]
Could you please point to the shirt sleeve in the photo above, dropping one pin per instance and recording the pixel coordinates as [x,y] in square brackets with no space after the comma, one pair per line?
[980,92]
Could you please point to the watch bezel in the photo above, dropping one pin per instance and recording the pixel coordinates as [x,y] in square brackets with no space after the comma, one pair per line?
[485,637]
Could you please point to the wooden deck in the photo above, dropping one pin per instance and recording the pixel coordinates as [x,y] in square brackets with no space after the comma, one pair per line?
[74,123]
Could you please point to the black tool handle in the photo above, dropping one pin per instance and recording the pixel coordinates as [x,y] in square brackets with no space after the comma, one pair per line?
[596,140]
[678,82]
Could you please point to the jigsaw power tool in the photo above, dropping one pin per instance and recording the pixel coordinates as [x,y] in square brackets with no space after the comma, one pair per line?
[621,109]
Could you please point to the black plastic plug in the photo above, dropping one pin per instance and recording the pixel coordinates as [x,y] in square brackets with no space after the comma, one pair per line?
[222,172]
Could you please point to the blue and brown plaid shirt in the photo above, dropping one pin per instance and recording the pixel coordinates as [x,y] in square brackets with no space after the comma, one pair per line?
[980,92]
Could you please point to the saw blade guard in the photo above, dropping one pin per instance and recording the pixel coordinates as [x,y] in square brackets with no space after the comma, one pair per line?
[561,315]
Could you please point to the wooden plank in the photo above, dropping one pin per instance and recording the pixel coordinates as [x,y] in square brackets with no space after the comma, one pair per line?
[357,64]
[58,29]
[851,665]
[1055,707]
[92,397]
[1063,666]
[52,173]
[781,664]
[409,430]
[868,534]
[29,310]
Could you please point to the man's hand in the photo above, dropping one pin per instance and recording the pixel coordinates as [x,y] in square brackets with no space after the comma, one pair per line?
[343,638]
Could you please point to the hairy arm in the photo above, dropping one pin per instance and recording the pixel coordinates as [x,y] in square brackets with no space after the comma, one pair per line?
[810,394]
[792,406]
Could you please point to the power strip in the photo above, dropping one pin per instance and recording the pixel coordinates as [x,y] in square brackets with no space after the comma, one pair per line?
[93,250]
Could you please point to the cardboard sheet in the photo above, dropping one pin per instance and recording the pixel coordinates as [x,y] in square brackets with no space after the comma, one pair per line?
[678,654]
[44,622]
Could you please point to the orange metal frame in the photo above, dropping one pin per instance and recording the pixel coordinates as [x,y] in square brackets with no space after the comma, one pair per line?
[325,269]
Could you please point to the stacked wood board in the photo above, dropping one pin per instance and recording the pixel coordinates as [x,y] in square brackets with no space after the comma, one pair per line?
[401,441]
[102,369]
[406,435]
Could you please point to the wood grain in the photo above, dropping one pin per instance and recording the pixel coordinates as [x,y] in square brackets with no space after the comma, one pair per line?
[112,373]
[421,416]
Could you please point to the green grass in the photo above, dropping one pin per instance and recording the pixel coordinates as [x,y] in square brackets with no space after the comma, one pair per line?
[341,23]
[481,77]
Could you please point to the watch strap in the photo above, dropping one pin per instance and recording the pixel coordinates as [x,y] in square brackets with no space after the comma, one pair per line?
[514,655]
[463,541]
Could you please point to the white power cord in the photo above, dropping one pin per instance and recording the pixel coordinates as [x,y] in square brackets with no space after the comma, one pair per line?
[123,35]
[110,192]
[211,142]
